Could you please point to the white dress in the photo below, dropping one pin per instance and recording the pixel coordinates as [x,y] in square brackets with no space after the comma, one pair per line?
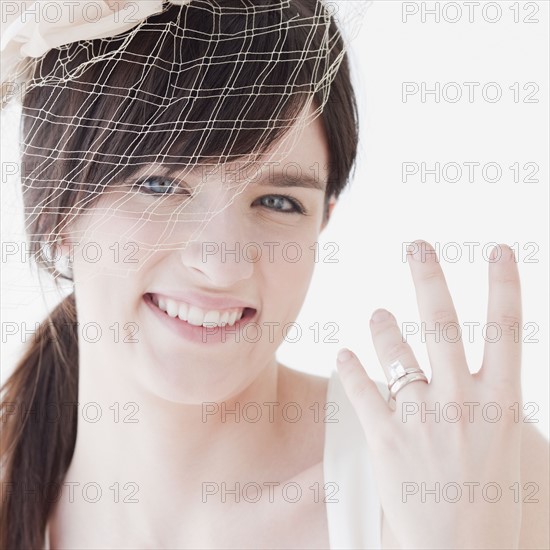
[355,520]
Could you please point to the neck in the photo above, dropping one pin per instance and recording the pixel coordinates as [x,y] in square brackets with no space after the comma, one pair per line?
[155,451]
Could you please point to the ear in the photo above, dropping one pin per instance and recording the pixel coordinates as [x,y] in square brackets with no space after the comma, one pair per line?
[331,205]
[67,251]
[65,245]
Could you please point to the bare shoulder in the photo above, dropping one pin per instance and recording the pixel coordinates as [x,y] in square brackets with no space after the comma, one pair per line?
[305,396]
[535,490]
[301,387]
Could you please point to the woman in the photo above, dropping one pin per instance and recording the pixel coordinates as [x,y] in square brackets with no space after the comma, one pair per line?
[182,169]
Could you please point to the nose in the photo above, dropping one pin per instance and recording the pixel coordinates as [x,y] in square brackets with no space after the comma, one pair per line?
[221,256]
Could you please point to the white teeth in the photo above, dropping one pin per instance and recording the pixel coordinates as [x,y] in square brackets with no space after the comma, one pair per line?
[232,318]
[212,318]
[183,312]
[196,316]
[172,308]
[224,318]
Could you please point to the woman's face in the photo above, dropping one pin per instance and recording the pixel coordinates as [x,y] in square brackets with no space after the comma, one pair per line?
[154,264]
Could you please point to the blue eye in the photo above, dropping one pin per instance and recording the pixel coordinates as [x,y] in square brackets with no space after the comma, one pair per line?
[156,185]
[277,202]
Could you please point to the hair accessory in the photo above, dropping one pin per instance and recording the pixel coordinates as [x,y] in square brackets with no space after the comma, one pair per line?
[30,29]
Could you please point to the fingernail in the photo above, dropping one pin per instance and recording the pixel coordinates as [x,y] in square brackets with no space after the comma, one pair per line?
[496,253]
[380,315]
[507,252]
[344,355]
[421,251]
[412,250]
[502,251]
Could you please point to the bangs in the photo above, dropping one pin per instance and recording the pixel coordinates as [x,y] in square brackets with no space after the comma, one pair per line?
[192,85]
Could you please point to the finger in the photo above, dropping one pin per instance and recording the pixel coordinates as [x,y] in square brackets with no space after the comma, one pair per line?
[363,393]
[503,335]
[391,347]
[437,313]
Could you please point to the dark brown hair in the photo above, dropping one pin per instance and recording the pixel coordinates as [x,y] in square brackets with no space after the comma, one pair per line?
[120,109]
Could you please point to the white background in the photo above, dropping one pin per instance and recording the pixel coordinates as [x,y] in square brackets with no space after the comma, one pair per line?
[379,212]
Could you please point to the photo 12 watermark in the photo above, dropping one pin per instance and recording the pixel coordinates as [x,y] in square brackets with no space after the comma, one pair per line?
[470,12]
[469,172]
[468,491]
[252,492]
[270,411]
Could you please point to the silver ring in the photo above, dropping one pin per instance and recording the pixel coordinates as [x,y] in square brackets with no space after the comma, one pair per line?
[400,377]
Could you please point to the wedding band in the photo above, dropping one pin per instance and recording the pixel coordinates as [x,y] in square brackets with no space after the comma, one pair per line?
[400,377]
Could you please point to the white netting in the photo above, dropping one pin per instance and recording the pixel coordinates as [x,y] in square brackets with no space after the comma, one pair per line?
[119,95]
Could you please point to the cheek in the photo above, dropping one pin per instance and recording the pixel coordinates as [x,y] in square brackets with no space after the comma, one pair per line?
[121,245]
[118,244]
[287,273]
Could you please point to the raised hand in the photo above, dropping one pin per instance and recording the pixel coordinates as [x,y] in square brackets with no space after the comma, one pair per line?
[447,480]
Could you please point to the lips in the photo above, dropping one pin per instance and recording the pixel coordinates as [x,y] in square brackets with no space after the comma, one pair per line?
[200,334]
[195,315]
[203,300]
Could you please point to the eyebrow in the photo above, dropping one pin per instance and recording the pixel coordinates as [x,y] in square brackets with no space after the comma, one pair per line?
[280,180]
[277,179]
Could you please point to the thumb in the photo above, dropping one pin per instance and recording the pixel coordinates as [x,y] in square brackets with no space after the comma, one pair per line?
[362,392]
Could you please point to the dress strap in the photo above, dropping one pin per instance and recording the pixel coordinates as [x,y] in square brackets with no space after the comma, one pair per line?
[355,521]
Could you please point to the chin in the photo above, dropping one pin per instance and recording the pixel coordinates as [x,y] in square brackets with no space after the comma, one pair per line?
[171,381]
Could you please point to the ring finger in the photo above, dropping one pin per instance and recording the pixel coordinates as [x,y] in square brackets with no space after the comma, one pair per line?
[390,347]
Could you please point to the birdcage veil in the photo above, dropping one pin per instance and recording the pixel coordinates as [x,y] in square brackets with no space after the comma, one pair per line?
[116,91]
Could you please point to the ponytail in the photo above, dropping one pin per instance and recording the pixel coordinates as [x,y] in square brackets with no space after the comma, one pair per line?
[39,421]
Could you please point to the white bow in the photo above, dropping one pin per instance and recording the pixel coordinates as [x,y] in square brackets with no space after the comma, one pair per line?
[32,28]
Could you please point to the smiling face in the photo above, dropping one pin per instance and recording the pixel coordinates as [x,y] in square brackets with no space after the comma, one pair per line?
[159,257]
